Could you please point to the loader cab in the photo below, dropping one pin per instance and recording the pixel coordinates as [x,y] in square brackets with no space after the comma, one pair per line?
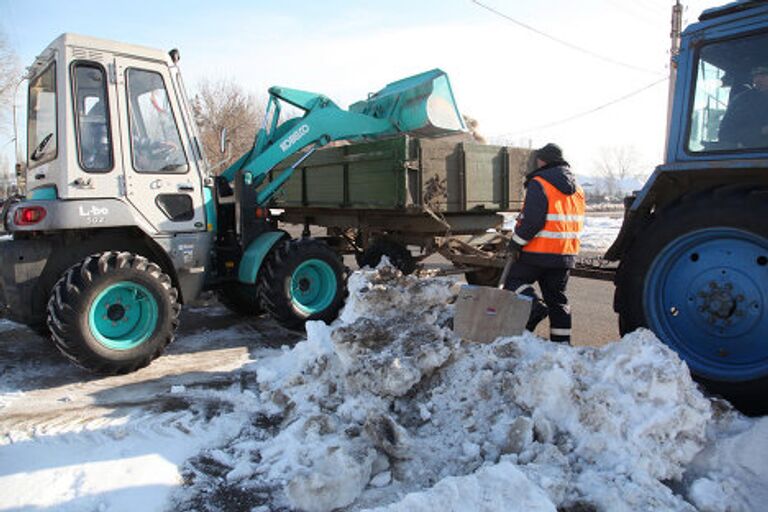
[107,120]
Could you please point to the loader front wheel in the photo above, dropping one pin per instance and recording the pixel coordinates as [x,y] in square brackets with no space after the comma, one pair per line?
[113,312]
[699,281]
[303,280]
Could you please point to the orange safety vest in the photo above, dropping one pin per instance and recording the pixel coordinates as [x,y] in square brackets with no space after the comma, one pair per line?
[565,220]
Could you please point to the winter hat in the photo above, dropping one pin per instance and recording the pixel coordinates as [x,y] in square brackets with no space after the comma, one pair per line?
[550,153]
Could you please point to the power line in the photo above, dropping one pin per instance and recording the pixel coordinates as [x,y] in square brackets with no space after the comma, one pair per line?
[591,111]
[562,42]
[638,14]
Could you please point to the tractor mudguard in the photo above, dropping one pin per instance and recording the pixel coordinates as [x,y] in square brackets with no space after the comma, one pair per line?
[254,255]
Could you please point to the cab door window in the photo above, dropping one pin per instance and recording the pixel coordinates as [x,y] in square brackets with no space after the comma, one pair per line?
[94,141]
[41,127]
[155,140]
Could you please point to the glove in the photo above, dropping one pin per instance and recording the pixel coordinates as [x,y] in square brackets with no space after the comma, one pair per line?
[513,251]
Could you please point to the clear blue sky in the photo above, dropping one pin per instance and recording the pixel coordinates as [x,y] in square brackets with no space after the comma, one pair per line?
[511,79]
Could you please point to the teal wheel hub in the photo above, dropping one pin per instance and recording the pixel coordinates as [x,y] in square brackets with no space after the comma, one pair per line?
[123,316]
[313,286]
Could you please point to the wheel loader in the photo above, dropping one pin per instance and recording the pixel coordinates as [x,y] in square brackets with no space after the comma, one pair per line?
[124,220]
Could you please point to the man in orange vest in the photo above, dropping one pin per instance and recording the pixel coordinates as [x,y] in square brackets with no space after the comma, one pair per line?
[545,242]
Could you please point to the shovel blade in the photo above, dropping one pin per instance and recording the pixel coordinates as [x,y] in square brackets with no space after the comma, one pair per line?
[483,313]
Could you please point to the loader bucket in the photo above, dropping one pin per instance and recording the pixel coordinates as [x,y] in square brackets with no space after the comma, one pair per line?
[421,105]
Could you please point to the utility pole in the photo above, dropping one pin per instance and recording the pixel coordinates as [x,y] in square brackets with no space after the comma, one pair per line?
[677,26]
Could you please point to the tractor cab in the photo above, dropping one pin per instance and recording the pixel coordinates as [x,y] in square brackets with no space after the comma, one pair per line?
[721,96]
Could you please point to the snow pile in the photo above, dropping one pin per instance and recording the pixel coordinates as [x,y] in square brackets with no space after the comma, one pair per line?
[732,472]
[387,408]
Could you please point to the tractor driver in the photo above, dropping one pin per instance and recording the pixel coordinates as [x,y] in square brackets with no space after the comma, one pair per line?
[745,123]
[545,242]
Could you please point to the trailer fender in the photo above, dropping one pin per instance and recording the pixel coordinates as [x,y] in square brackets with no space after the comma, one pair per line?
[254,255]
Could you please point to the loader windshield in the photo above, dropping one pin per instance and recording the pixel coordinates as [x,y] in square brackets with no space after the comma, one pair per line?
[730,104]
[41,135]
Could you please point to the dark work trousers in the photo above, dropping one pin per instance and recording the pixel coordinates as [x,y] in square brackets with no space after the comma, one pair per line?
[552,282]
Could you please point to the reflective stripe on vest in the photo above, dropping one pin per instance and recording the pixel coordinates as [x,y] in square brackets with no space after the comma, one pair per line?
[564,222]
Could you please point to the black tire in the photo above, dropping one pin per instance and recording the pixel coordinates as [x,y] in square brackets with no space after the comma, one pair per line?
[240,298]
[721,209]
[41,330]
[287,262]
[398,255]
[488,276]
[83,287]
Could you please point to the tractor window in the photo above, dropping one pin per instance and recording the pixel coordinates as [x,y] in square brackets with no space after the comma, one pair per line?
[41,135]
[155,140]
[730,106]
[92,117]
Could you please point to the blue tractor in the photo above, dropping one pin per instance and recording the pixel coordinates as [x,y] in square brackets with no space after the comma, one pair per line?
[693,248]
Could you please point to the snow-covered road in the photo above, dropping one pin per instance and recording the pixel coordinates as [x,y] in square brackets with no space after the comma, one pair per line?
[386,408]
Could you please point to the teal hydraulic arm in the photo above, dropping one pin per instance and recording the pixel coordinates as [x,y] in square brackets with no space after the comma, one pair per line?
[422,104]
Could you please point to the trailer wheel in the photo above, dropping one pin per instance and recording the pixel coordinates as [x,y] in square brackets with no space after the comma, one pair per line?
[397,253]
[488,276]
[113,312]
[303,280]
[243,299]
[698,278]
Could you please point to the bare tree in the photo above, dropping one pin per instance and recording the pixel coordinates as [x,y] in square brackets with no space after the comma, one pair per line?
[6,177]
[616,164]
[224,104]
[9,77]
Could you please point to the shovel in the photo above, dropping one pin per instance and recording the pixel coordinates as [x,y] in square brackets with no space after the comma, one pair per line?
[484,313]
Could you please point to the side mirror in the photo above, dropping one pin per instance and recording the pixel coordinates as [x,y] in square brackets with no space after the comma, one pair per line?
[223,141]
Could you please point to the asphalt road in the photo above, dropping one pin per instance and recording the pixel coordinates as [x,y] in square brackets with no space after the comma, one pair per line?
[594,322]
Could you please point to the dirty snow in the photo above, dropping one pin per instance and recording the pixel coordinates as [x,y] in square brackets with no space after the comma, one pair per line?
[388,410]
[123,464]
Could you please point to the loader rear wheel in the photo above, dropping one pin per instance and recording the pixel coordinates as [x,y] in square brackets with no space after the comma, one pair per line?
[397,253]
[113,312]
[303,280]
[240,298]
[699,281]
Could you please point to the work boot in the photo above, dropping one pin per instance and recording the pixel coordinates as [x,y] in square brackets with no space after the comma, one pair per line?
[539,312]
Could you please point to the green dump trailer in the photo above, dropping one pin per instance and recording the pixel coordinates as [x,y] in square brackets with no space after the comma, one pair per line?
[407,198]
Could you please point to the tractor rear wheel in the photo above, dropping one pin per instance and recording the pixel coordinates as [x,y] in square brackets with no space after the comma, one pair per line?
[113,312]
[697,276]
[303,280]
